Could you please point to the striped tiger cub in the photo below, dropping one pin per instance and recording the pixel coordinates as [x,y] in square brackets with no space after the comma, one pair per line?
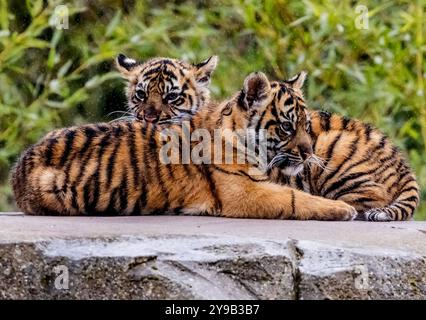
[162,88]
[118,169]
[335,157]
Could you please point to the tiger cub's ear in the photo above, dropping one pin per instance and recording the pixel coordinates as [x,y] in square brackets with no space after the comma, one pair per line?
[256,90]
[125,65]
[297,81]
[205,69]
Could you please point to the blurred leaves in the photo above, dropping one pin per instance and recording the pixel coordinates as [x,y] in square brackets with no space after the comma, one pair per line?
[51,78]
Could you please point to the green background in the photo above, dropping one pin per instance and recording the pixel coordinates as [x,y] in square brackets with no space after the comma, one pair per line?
[51,78]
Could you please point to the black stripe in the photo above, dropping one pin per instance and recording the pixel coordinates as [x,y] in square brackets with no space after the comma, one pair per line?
[387,177]
[191,100]
[403,210]
[90,134]
[251,178]
[146,154]
[330,149]
[269,123]
[142,201]
[410,199]
[289,101]
[137,210]
[112,157]
[69,136]
[325,120]
[86,197]
[26,163]
[74,202]
[299,182]
[103,127]
[111,207]
[288,112]
[226,171]
[341,182]
[376,151]
[350,188]
[345,122]
[157,167]
[397,183]
[409,189]
[368,129]
[134,159]
[240,101]
[51,143]
[382,143]
[363,199]
[274,112]
[123,192]
[95,177]
[207,176]
[239,173]
[169,74]
[353,149]
[411,207]
[151,72]
[259,123]
[309,178]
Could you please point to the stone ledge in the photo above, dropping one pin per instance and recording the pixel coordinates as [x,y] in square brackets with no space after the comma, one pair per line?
[169,257]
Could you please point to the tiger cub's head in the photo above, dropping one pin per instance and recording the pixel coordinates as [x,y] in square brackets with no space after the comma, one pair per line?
[163,88]
[279,108]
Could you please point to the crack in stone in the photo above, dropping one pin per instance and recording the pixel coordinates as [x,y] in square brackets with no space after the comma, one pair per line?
[296,254]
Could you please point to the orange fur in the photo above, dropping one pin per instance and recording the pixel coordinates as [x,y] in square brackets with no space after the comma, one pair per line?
[105,169]
[335,157]
[162,88]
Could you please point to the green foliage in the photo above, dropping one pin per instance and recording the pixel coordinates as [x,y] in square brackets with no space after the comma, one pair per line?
[51,78]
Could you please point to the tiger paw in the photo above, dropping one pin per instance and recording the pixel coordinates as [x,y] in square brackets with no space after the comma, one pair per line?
[344,211]
[326,209]
[375,215]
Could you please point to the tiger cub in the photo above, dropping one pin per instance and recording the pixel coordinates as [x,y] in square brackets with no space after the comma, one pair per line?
[335,157]
[119,169]
[163,88]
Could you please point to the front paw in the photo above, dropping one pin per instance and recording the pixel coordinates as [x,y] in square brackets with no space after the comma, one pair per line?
[345,211]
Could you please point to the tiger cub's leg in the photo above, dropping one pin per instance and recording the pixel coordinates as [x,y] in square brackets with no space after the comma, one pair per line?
[242,197]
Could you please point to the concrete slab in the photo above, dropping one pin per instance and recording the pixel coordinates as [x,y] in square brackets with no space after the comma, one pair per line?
[207,257]
[406,236]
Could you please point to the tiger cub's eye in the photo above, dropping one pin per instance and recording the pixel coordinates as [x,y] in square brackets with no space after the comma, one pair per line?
[140,94]
[171,96]
[286,126]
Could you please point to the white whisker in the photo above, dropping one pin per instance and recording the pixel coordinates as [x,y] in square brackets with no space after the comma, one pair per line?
[276,160]
[314,159]
[120,112]
[125,118]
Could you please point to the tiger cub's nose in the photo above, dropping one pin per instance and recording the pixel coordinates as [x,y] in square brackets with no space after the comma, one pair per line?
[305,151]
[151,115]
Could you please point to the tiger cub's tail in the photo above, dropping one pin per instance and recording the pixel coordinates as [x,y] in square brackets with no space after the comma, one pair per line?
[402,208]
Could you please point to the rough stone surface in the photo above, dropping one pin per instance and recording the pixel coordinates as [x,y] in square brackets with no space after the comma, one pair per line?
[169,257]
